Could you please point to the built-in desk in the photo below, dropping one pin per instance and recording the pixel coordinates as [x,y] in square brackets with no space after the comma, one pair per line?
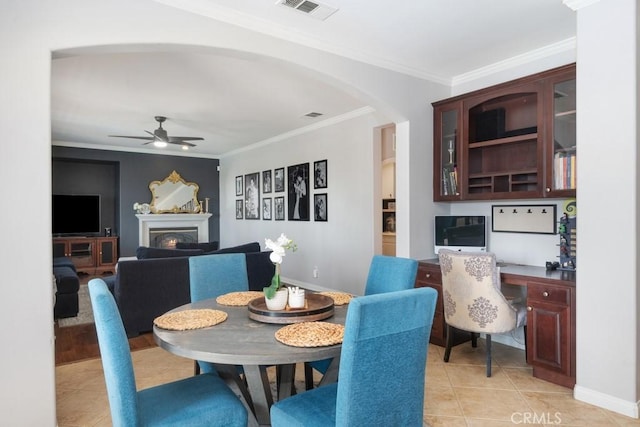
[551,317]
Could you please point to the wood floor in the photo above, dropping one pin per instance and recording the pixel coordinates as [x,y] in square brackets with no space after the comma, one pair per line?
[80,342]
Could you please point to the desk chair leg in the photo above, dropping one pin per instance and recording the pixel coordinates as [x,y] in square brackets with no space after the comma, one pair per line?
[474,339]
[488,341]
[448,344]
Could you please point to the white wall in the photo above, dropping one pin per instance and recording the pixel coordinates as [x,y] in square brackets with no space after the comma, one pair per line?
[342,247]
[517,248]
[607,131]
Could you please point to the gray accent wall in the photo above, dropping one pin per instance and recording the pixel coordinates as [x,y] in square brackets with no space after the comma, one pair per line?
[122,179]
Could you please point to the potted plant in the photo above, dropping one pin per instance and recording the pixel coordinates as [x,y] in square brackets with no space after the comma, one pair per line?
[275,295]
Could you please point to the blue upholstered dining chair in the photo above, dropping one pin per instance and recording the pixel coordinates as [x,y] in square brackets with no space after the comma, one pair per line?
[386,274]
[389,274]
[202,400]
[213,275]
[382,367]
[473,301]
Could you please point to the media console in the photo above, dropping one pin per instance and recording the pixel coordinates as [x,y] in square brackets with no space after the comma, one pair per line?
[90,255]
[551,316]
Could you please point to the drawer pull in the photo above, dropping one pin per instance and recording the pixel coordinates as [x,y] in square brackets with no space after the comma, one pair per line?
[529,308]
[428,275]
[545,294]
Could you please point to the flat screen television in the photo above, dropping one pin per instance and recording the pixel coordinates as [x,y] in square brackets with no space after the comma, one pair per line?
[460,233]
[75,215]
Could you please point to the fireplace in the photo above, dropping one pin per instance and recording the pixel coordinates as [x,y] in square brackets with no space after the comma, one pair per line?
[167,238]
[165,230]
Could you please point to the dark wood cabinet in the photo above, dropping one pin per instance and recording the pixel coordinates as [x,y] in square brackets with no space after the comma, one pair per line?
[429,275]
[107,255]
[515,140]
[90,255]
[447,146]
[560,156]
[551,322]
[550,334]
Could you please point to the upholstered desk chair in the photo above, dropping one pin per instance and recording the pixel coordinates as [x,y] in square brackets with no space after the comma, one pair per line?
[381,376]
[386,274]
[202,400]
[472,298]
[213,275]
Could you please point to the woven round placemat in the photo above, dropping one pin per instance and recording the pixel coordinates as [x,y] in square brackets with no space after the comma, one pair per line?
[238,298]
[339,298]
[190,319]
[310,334]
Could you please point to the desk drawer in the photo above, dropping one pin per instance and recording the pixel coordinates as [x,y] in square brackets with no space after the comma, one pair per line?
[429,276]
[548,293]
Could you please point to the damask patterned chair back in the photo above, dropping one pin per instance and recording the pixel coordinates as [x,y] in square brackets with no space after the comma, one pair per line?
[471,293]
[472,298]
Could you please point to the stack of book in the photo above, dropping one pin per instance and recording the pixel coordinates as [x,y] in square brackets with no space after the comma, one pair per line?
[564,170]
[449,180]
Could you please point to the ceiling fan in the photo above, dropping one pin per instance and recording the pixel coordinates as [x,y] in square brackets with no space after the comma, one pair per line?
[159,137]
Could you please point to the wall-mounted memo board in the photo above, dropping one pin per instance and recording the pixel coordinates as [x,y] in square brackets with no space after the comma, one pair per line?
[539,219]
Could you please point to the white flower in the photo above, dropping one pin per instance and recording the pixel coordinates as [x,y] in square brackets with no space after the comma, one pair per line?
[136,206]
[279,248]
[275,258]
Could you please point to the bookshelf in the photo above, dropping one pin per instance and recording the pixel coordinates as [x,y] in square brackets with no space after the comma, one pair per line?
[515,140]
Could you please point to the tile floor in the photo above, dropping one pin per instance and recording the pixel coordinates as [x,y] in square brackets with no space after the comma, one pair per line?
[457,393]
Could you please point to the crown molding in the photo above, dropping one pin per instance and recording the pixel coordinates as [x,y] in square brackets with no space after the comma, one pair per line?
[300,131]
[532,56]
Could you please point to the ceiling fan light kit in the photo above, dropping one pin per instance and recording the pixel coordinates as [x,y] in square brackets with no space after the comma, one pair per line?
[160,138]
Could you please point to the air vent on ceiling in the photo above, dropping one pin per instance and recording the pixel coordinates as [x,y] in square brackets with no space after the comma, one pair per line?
[313,114]
[313,9]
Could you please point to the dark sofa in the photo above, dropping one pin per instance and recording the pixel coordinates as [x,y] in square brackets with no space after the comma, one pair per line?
[67,286]
[146,288]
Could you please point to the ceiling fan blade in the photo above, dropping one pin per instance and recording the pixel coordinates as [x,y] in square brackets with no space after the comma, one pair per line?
[188,144]
[160,135]
[179,139]
[146,138]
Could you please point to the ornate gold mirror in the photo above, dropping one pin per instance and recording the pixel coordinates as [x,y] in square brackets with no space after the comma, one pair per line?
[174,195]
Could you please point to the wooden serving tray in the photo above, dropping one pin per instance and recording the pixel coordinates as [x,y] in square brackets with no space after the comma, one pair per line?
[318,307]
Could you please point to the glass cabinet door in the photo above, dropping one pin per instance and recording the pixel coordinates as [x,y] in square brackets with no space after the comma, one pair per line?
[561,177]
[447,145]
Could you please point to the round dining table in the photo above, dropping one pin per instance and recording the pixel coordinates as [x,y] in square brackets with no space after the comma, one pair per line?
[251,344]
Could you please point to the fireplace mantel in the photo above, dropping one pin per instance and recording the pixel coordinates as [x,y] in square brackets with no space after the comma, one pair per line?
[151,221]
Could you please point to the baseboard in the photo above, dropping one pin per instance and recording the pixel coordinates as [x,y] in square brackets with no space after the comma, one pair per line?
[624,407]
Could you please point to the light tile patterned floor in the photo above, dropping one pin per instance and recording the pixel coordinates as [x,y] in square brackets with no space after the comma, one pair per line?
[457,393]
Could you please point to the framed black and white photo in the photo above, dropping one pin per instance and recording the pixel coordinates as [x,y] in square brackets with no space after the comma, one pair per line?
[239,209]
[278,206]
[320,207]
[252,196]
[266,181]
[266,208]
[278,178]
[320,174]
[239,185]
[298,192]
